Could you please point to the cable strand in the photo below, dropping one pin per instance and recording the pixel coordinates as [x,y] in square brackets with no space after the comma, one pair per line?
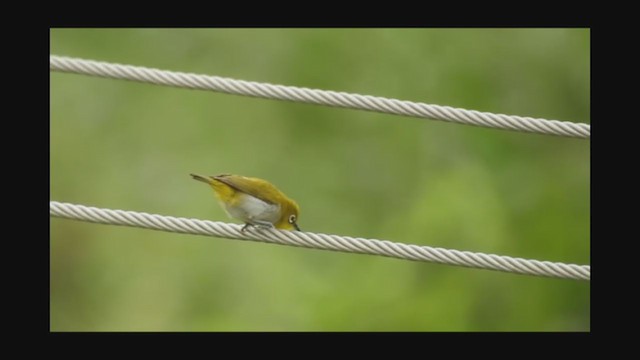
[321,241]
[319,97]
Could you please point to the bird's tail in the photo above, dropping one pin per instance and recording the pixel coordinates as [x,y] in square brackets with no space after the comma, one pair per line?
[224,192]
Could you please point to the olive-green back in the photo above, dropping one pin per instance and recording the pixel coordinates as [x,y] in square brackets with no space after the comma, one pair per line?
[255,187]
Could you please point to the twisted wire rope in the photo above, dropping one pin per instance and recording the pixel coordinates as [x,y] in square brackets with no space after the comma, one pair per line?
[321,241]
[320,97]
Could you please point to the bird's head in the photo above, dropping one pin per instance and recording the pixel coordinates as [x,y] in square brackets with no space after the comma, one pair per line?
[289,217]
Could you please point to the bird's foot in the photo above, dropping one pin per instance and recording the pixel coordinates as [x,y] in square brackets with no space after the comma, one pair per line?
[260,225]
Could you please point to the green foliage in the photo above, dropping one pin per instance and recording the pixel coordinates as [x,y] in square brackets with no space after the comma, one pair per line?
[128,145]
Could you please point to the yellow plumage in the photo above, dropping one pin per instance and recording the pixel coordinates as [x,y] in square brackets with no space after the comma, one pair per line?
[254,201]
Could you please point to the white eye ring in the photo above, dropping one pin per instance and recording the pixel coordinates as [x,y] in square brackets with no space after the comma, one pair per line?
[292,219]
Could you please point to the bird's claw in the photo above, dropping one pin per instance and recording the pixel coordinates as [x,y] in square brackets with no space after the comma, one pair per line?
[262,226]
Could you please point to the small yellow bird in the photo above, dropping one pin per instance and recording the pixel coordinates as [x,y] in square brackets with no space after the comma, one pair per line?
[254,201]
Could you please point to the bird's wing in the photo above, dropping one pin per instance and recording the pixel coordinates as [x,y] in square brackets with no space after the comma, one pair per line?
[255,187]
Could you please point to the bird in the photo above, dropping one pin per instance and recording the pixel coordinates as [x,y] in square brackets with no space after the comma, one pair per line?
[254,201]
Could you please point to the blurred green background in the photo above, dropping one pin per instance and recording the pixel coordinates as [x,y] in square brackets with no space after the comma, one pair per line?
[126,145]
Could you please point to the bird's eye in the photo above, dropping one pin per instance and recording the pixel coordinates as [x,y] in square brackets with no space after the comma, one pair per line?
[292,219]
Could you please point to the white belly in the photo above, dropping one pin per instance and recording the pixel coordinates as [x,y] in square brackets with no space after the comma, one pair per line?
[251,208]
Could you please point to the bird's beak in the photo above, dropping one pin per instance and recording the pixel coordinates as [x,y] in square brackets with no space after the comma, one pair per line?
[295,225]
[201,178]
